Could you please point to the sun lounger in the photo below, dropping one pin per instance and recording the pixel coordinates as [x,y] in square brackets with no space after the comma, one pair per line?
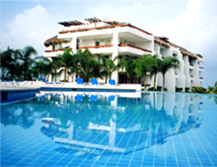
[80,81]
[78,97]
[43,80]
[111,98]
[93,81]
[112,82]
[93,98]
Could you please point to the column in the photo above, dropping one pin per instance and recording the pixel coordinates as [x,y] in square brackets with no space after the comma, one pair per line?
[115,53]
[74,44]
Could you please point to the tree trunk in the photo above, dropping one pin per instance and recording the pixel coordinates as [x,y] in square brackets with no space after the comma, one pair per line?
[163,83]
[144,83]
[65,75]
[155,76]
[106,78]
[55,76]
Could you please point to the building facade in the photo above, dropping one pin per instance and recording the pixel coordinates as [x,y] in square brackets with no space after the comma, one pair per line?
[112,39]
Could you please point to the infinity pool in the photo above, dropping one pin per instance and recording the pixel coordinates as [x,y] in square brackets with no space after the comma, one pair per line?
[110,129]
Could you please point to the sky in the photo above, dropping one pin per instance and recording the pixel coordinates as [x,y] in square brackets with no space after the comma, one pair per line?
[188,23]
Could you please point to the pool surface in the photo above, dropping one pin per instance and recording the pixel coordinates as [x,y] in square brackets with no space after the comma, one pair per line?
[110,129]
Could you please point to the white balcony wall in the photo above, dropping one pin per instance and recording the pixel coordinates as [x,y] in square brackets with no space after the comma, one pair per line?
[53,54]
[145,45]
[179,72]
[87,42]
[106,50]
[131,50]
[186,71]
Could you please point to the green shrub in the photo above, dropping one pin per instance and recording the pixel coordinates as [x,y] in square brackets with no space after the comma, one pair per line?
[198,89]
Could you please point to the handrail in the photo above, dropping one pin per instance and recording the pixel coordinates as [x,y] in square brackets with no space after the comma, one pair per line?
[133,46]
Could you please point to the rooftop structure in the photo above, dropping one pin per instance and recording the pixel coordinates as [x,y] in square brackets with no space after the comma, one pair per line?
[112,39]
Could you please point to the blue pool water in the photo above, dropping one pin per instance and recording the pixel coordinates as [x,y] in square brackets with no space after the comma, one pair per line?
[110,129]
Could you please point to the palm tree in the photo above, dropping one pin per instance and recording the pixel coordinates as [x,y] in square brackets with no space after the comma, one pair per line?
[42,66]
[55,65]
[10,67]
[166,64]
[67,61]
[87,65]
[25,56]
[155,68]
[144,66]
[107,67]
[129,66]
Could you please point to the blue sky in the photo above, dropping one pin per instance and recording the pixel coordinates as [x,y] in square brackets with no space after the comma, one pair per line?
[188,23]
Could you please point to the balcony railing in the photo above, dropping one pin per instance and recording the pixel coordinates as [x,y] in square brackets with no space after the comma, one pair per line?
[56,50]
[89,47]
[136,47]
[201,77]
[100,46]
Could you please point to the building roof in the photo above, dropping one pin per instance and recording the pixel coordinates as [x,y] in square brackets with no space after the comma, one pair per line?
[70,23]
[162,41]
[165,42]
[53,40]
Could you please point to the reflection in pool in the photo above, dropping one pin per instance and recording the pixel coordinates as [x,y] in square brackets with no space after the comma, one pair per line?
[110,129]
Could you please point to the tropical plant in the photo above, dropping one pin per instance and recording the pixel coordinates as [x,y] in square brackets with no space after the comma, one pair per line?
[107,67]
[87,66]
[67,61]
[55,65]
[198,89]
[156,66]
[128,65]
[166,64]
[42,66]
[144,67]
[10,67]
[27,60]
[212,90]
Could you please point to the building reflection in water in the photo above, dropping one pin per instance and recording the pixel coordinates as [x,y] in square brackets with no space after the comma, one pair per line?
[121,123]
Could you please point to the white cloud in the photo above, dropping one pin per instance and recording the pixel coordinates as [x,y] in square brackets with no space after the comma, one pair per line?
[195,27]
[32,27]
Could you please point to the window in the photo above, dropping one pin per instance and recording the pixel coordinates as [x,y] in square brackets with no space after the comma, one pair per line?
[53,46]
[97,43]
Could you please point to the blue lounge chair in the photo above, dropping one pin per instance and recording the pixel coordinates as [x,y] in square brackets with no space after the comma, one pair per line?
[112,82]
[93,98]
[80,81]
[93,81]
[111,98]
[43,80]
[78,97]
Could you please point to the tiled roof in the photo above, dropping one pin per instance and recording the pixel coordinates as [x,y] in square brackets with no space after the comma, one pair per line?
[53,40]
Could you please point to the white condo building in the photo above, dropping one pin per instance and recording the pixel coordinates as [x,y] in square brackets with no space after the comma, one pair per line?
[112,39]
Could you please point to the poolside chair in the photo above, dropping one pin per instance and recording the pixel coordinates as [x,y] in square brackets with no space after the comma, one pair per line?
[43,80]
[111,98]
[79,81]
[93,81]
[78,97]
[112,82]
[93,98]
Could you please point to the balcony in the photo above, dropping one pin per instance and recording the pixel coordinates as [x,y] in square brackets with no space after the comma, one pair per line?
[132,49]
[201,78]
[136,47]
[56,52]
[99,49]
[90,47]
[201,68]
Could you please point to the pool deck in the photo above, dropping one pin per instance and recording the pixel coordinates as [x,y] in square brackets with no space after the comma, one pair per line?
[68,86]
